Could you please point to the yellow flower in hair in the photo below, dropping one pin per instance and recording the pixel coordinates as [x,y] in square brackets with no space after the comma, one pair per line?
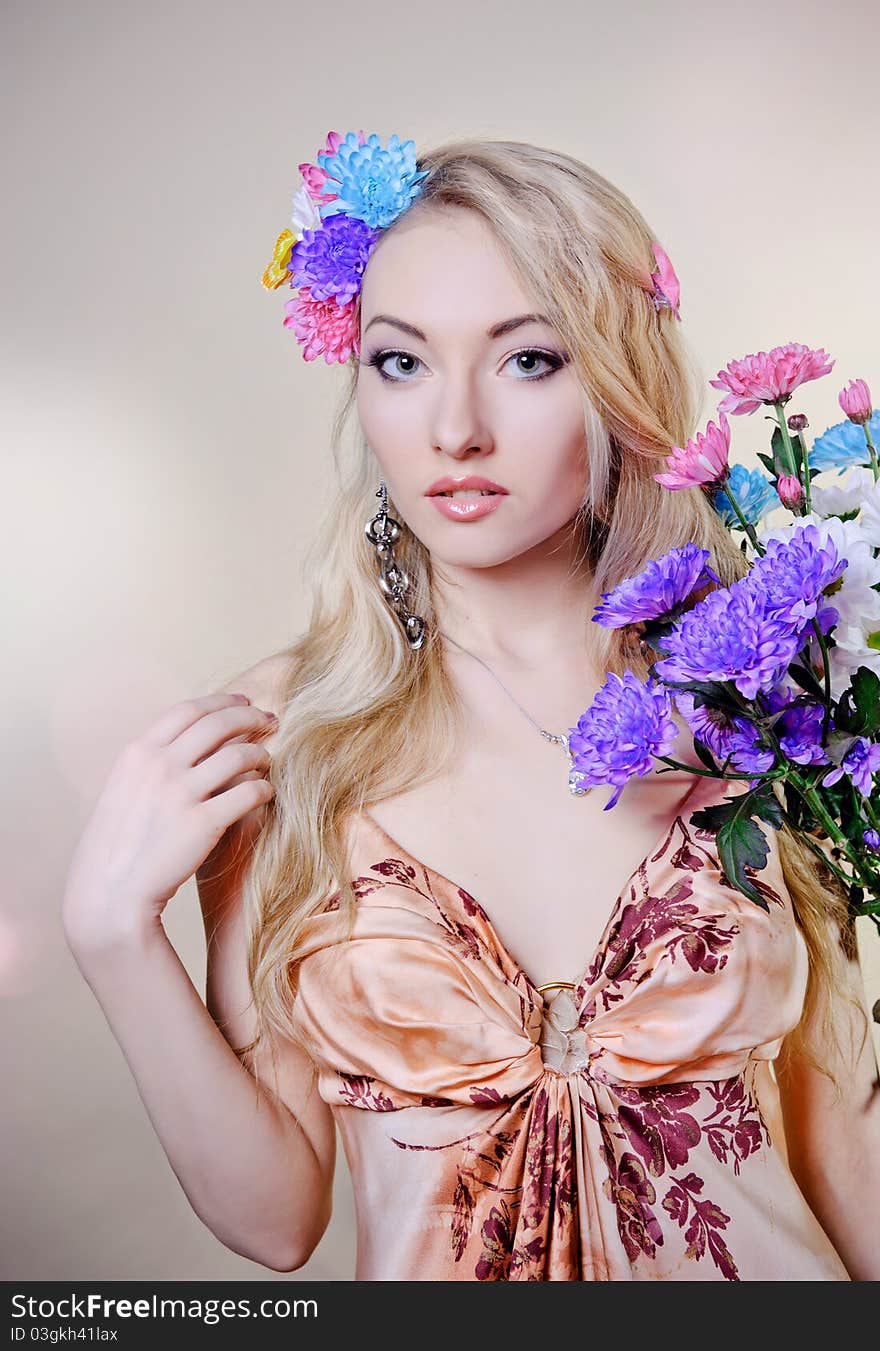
[276,273]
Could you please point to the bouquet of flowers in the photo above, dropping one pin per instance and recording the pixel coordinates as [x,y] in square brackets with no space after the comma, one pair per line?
[777,676]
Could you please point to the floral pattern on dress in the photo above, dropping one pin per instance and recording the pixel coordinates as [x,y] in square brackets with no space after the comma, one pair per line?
[514,1200]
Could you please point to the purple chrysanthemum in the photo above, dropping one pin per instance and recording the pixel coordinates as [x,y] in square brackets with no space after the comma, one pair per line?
[794,572]
[330,260]
[655,591]
[726,735]
[799,729]
[861,763]
[627,723]
[729,636]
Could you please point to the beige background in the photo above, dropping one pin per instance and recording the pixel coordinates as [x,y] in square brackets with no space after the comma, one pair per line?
[164,443]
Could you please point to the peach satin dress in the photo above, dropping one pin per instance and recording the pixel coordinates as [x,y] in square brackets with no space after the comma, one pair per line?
[609,1129]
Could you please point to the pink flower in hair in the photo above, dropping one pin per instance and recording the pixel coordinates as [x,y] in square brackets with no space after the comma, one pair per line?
[769,377]
[323,327]
[667,289]
[703,460]
[315,177]
[855,400]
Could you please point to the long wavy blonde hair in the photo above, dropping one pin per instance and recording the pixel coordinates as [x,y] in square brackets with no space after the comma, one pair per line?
[363,716]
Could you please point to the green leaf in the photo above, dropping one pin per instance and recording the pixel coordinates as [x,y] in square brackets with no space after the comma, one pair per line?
[741,841]
[780,463]
[705,754]
[807,679]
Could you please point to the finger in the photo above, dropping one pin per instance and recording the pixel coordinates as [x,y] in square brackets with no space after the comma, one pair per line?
[175,720]
[218,728]
[228,763]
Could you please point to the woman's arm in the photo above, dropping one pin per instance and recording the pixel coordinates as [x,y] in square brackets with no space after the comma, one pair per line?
[834,1143]
[256,1165]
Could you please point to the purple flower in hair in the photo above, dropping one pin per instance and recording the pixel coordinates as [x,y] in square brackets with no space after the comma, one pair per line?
[627,723]
[657,590]
[726,735]
[330,260]
[730,636]
[861,762]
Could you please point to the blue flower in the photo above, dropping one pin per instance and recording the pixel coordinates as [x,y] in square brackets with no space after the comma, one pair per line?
[726,735]
[626,724]
[373,184]
[871,838]
[330,260]
[799,729]
[730,636]
[793,573]
[861,762]
[661,586]
[844,444]
[754,493]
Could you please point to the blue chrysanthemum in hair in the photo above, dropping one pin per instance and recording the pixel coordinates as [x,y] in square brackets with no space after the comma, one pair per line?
[371,182]
[626,724]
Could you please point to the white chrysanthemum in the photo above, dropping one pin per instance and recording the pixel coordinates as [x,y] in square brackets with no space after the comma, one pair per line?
[857,603]
[870,517]
[305,212]
[847,494]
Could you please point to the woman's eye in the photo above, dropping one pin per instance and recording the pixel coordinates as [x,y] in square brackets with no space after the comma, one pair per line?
[406,363]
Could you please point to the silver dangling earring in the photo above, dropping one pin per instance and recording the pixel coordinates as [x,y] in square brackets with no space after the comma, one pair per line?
[382,531]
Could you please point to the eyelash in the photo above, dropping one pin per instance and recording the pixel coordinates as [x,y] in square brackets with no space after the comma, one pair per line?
[382,354]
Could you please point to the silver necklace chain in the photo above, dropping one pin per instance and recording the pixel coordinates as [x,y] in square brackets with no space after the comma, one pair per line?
[558,737]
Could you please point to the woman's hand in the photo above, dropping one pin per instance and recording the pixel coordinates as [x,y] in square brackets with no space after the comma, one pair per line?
[171,795]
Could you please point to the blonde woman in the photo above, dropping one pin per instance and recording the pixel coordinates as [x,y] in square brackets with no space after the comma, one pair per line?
[558,1045]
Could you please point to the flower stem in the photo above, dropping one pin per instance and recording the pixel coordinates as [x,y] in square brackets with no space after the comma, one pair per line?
[747,527]
[808,501]
[872,451]
[786,438]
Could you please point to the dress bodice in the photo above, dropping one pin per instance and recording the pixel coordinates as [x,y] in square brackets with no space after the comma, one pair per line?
[606,1128]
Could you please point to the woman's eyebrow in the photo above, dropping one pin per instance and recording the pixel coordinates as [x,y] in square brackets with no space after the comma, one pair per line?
[496,331]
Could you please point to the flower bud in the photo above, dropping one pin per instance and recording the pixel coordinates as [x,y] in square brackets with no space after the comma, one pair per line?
[797,422]
[855,401]
[871,838]
[790,490]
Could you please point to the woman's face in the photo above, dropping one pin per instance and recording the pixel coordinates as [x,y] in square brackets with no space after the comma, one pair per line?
[452,400]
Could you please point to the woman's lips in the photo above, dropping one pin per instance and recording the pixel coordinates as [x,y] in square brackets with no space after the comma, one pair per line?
[466,508]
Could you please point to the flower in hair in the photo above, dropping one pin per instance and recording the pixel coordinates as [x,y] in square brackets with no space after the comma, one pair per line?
[372,183]
[667,288]
[357,188]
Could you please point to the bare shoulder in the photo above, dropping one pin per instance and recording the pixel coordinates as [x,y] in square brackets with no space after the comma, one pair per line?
[264,682]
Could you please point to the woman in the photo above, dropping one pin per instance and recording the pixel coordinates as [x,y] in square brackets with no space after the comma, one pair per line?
[544,1030]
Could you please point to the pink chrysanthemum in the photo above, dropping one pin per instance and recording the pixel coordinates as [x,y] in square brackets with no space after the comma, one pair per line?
[314,177]
[855,400]
[323,327]
[703,460]
[767,377]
